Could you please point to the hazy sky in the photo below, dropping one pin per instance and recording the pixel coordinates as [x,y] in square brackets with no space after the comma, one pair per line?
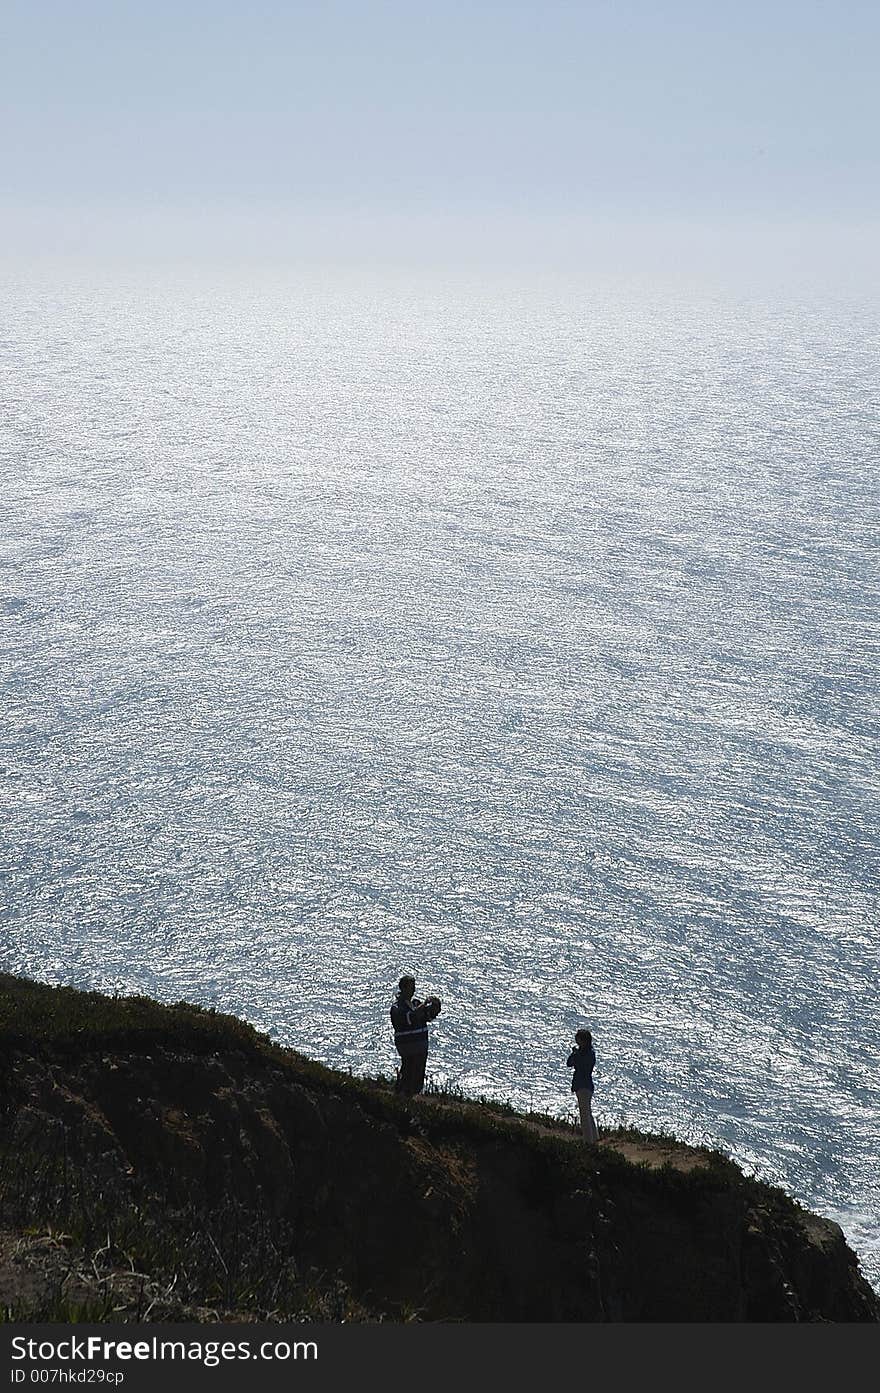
[136,114]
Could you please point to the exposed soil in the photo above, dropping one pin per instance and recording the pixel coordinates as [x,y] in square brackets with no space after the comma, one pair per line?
[169,1164]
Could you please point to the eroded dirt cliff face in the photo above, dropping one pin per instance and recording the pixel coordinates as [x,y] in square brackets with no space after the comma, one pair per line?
[431,1209]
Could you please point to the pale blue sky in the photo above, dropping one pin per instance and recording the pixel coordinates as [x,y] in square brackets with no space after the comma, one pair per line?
[674,110]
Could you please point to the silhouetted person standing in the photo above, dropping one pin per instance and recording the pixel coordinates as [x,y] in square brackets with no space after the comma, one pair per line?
[583,1060]
[410,1017]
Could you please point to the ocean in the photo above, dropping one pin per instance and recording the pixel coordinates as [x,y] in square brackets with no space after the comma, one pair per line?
[520,634]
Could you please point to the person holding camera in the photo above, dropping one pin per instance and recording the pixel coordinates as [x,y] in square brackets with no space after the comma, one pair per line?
[410,1017]
[583,1060]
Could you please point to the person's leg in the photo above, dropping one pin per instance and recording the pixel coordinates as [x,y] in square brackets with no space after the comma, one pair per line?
[582,1099]
[412,1074]
[419,1061]
[592,1129]
[589,1131]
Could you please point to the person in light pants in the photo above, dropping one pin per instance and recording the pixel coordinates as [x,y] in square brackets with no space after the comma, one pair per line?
[583,1059]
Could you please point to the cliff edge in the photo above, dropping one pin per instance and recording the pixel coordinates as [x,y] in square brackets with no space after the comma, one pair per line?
[164,1163]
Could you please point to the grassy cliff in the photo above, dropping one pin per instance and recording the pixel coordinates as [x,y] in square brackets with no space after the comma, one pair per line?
[162,1163]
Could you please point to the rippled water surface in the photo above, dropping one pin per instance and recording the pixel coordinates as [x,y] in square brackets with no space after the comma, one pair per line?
[522,637]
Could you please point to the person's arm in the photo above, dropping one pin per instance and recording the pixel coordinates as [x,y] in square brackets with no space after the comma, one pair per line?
[572,1060]
[420,1012]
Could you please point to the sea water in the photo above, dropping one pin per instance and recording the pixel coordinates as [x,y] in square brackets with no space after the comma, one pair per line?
[522,636]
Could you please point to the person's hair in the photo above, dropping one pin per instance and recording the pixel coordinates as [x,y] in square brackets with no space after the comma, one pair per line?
[583,1037]
[405,981]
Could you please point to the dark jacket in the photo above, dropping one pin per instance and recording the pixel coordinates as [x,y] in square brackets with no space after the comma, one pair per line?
[410,1021]
[583,1061]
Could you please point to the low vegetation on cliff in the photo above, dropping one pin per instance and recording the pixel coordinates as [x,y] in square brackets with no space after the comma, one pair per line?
[170,1163]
